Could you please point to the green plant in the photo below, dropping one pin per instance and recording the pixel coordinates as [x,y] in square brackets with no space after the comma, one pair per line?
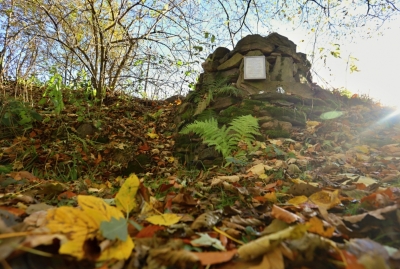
[219,86]
[53,90]
[225,199]
[17,113]
[352,209]
[225,140]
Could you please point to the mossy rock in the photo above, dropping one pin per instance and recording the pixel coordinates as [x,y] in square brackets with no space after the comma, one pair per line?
[296,117]
[226,116]
[277,133]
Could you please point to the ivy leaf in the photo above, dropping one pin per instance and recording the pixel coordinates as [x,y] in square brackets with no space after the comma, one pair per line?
[114,229]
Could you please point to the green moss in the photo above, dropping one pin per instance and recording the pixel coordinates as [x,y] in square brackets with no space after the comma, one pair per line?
[187,114]
[296,117]
[227,115]
[252,104]
[277,133]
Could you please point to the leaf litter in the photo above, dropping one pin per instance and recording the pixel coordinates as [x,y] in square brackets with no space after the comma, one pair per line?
[325,198]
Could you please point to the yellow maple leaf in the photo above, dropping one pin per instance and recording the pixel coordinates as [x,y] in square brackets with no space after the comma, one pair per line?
[118,250]
[97,209]
[164,219]
[125,198]
[316,226]
[75,224]
[83,223]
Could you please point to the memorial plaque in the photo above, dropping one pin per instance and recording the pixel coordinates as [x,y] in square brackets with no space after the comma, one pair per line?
[254,67]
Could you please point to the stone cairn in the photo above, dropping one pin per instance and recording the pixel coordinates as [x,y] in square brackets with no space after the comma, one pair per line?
[285,68]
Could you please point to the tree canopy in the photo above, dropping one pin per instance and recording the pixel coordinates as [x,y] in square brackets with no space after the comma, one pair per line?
[154,48]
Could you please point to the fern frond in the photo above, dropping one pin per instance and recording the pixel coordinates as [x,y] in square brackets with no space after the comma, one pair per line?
[245,128]
[206,114]
[212,135]
[225,140]
[229,90]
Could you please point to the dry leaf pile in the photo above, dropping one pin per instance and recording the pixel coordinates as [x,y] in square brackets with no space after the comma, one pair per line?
[325,198]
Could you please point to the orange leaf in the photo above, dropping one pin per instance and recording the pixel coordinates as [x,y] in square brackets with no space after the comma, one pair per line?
[350,259]
[66,195]
[13,210]
[149,231]
[316,226]
[209,258]
[144,147]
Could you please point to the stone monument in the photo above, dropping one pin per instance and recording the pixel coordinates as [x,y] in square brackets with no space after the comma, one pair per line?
[284,67]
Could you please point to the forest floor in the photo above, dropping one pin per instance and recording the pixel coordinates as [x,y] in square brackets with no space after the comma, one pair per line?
[327,197]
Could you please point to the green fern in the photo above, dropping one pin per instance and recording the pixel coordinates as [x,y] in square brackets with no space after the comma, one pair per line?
[229,90]
[206,114]
[225,140]
[219,87]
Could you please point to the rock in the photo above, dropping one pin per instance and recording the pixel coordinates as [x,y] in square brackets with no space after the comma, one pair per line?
[85,129]
[282,125]
[287,52]
[231,75]
[269,125]
[286,126]
[233,62]
[280,40]
[222,103]
[208,154]
[213,60]
[209,65]
[254,42]
[283,70]
[255,53]
[264,119]
[219,53]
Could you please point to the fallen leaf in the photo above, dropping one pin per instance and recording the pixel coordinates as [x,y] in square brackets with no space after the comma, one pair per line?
[173,258]
[284,215]
[166,219]
[125,198]
[326,199]
[149,231]
[206,240]
[207,220]
[210,258]
[82,224]
[271,260]
[317,226]
[298,200]
[264,244]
